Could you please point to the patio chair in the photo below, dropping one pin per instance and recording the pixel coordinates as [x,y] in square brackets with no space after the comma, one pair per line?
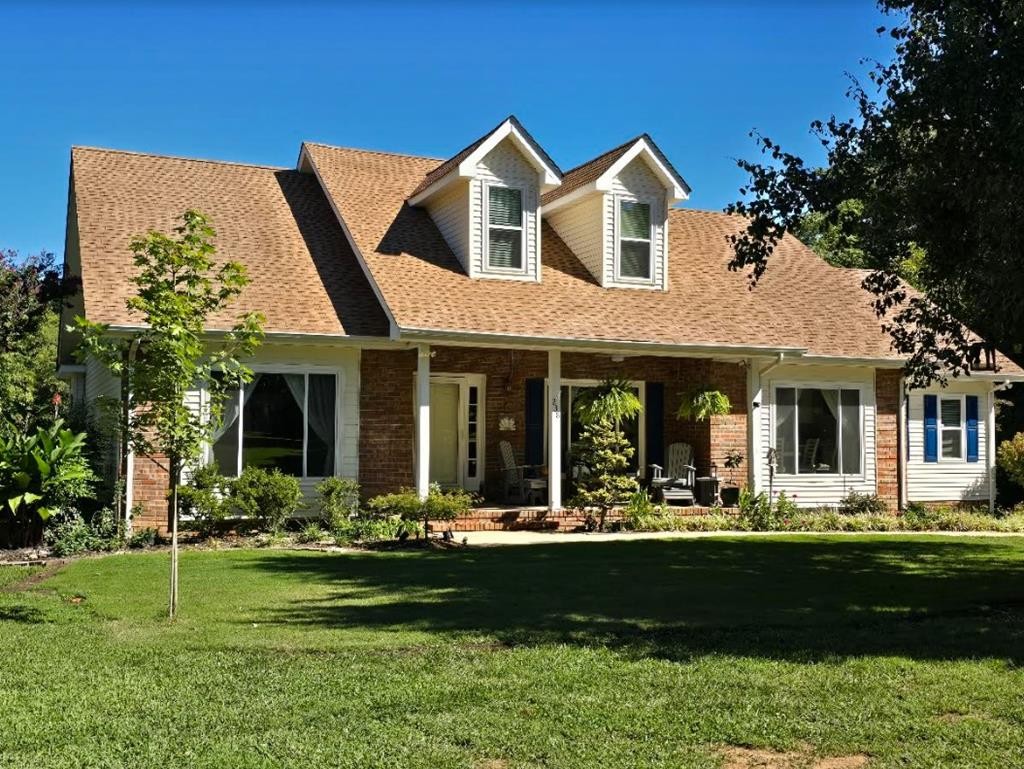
[676,485]
[810,456]
[522,482]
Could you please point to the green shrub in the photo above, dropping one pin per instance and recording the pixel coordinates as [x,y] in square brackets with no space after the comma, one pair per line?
[406,505]
[862,504]
[41,474]
[311,533]
[206,497]
[756,511]
[641,514]
[366,528]
[68,533]
[338,501]
[1010,457]
[267,496]
[145,538]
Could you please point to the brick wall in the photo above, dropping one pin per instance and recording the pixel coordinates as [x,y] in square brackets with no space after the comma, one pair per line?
[387,437]
[149,492]
[887,430]
[386,434]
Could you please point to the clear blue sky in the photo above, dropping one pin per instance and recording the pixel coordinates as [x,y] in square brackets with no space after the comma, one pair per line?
[232,82]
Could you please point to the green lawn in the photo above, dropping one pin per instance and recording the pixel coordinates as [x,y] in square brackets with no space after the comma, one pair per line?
[628,654]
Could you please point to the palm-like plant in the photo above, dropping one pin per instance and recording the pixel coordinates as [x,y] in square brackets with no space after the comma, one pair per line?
[614,400]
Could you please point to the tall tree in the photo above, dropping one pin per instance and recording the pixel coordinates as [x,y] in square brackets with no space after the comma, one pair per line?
[30,293]
[178,288]
[922,184]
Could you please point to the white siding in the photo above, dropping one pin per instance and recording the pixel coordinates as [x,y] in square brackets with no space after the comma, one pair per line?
[947,480]
[450,212]
[637,182]
[581,227]
[505,165]
[820,489]
[99,382]
[321,359]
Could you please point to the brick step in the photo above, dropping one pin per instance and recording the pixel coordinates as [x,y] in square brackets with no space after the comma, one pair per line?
[532,519]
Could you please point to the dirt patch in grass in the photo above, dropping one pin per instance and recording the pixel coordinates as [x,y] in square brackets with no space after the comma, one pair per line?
[491,763]
[33,579]
[759,758]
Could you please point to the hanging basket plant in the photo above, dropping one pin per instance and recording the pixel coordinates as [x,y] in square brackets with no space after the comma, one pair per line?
[703,403]
[614,400]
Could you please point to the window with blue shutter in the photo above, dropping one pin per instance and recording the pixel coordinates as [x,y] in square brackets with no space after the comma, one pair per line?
[971,408]
[931,428]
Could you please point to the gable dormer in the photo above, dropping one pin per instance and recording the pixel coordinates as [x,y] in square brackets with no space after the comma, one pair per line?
[612,212]
[486,202]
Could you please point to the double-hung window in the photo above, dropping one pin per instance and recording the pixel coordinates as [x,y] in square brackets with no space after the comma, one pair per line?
[505,228]
[279,420]
[818,430]
[951,428]
[634,240]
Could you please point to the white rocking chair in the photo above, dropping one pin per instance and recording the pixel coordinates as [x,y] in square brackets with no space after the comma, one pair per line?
[677,484]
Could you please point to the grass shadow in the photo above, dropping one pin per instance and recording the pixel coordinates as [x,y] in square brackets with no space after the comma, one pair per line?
[788,599]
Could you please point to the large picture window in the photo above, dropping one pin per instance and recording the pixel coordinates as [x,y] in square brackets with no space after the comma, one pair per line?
[283,421]
[817,430]
[504,228]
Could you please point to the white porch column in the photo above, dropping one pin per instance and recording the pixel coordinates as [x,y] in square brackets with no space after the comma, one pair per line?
[423,420]
[554,429]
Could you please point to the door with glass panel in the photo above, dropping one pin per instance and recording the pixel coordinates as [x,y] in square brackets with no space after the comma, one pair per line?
[456,431]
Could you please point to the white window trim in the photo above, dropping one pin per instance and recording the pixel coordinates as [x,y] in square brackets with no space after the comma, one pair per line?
[465,381]
[641,437]
[861,388]
[940,425]
[619,277]
[486,244]
[292,369]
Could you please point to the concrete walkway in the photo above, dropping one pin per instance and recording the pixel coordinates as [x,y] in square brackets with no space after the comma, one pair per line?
[497,538]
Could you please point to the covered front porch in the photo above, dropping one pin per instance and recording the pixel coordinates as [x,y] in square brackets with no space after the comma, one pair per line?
[480,412]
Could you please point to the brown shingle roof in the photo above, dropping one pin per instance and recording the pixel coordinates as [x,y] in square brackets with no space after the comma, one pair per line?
[277,222]
[585,173]
[801,302]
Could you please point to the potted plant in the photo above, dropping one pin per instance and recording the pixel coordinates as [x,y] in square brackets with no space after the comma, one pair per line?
[731,492]
[702,404]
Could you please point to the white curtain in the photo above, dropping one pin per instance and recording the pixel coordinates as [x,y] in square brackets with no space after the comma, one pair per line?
[232,408]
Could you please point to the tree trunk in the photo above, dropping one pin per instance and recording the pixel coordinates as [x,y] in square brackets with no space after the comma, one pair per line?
[173,610]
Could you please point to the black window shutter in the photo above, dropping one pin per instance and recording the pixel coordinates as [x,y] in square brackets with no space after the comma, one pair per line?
[654,423]
[534,421]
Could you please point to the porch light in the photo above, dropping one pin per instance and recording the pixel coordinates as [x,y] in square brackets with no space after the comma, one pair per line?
[714,470]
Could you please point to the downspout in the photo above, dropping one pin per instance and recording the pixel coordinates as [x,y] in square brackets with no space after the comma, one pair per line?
[126,466]
[902,451]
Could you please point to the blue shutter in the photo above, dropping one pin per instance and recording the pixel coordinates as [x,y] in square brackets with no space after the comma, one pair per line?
[654,423]
[534,421]
[972,428]
[931,428]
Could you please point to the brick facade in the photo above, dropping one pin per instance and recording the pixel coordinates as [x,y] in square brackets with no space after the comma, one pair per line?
[387,436]
[149,494]
[887,435]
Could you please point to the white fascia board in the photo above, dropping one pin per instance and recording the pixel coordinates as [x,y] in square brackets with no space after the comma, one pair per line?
[624,346]
[550,178]
[436,187]
[677,189]
[392,324]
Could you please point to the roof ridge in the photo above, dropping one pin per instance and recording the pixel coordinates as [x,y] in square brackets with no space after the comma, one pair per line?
[163,156]
[606,153]
[389,153]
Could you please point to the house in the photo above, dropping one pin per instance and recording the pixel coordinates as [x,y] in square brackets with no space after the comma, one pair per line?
[420,312]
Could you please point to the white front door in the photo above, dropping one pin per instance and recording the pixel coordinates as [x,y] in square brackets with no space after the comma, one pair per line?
[444,433]
[457,430]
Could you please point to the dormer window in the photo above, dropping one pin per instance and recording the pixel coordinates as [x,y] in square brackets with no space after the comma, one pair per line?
[505,242]
[634,259]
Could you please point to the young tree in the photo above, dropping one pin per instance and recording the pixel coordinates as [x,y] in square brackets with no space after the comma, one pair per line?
[921,185]
[178,288]
[603,451]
